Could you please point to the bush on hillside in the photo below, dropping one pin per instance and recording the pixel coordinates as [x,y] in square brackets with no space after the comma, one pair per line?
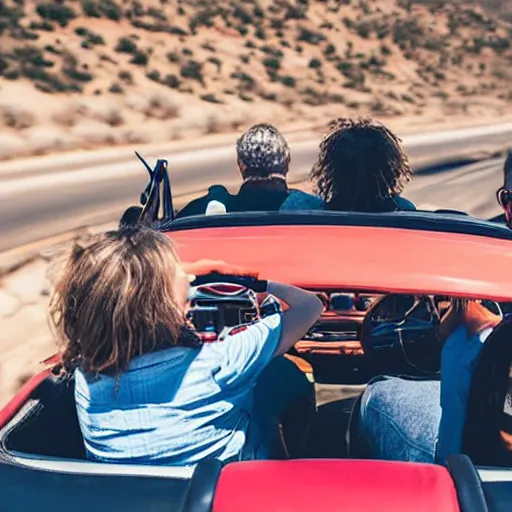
[309,36]
[102,9]
[315,63]
[44,25]
[62,14]
[125,76]
[116,88]
[288,81]
[272,63]
[77,74]
[153,75]
[211,98]
[192,69]
[139,58]
[126,45]
[171,81]
[173,57]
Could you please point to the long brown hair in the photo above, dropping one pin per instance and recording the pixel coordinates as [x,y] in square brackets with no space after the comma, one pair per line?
[360,163]
[114,300]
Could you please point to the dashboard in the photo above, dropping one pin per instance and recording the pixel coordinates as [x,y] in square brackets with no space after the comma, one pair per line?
[337,332]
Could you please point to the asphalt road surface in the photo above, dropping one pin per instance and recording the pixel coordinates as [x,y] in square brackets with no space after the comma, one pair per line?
[36,203]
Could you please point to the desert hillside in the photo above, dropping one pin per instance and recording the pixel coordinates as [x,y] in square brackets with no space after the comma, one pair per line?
[87,73]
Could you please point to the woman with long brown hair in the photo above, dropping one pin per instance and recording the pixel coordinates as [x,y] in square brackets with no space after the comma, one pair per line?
[147,390]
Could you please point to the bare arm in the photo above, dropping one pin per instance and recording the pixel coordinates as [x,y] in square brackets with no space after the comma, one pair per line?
[304,309]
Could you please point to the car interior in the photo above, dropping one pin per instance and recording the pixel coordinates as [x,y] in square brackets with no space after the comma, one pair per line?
[358,336]
[361,334]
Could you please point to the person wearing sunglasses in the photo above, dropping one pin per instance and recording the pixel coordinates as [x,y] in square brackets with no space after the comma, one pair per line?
[147,389]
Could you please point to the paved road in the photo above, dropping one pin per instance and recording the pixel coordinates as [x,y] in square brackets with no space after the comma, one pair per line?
[471,188]
[36,202]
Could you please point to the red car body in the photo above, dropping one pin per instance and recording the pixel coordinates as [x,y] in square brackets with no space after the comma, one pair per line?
[422,254]
[361,259]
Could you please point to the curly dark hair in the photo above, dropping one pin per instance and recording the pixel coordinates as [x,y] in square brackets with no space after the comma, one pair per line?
[360,163]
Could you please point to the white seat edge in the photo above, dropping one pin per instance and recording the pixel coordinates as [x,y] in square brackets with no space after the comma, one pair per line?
[98,468]
[495,474]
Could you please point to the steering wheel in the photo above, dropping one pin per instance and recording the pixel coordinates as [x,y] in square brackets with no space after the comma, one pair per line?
[249,282]
[400,334]
[219,301]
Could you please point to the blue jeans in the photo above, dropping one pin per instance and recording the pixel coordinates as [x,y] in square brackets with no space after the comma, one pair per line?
[283,395]
[399,418]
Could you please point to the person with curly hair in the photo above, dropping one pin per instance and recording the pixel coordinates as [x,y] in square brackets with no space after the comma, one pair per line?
[362,167]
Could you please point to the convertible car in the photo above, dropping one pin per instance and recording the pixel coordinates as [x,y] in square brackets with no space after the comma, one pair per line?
[387,282]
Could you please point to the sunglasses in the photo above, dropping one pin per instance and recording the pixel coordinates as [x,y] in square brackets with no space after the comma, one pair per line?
[504,197]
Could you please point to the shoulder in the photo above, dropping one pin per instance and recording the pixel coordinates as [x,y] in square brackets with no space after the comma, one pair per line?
[198,206]
[297,199]
[404,204]
[131,216]
[195,207]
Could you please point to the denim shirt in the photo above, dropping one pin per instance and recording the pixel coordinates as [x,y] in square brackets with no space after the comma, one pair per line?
[180,405]
[458,360]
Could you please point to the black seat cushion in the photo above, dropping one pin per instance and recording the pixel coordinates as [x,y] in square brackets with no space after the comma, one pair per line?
[48,424]
[33,490]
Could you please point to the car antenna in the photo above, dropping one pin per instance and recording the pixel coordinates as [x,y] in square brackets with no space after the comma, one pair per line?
[156,198]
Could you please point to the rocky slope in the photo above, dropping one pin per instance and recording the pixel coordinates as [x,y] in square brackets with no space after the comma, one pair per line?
[85,73]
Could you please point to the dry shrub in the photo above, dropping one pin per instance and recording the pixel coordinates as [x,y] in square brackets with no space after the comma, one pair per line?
[45,139]
[175,133]
[94,133]
[213,124]
[113,117]
[161,107]
[69,116]
[17,118]
[134,137]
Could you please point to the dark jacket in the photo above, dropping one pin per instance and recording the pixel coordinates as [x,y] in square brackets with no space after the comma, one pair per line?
[394,203]
[253,197]
[391,203]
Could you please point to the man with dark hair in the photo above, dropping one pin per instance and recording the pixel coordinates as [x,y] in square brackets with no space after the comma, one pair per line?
[263,158]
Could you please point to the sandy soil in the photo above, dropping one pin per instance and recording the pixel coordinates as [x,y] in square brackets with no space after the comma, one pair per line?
[208,68]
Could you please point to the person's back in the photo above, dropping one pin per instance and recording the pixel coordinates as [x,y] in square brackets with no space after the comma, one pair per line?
[263,158]
[182,404]
[361,167]
[148,390]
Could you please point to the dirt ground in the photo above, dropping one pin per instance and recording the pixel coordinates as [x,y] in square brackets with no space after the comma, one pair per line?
[25,336]
[165,71]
